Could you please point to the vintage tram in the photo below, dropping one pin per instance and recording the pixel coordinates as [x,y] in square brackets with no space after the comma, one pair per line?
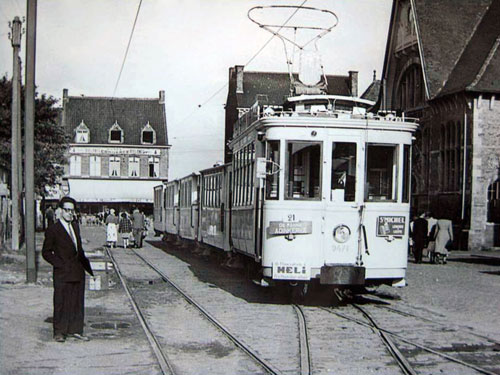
[318,189]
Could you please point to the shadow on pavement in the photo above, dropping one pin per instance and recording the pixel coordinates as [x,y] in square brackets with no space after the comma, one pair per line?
[477,259]
[209,269]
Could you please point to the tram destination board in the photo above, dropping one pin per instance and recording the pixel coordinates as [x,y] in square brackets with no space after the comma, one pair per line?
[277,228]
[391,226]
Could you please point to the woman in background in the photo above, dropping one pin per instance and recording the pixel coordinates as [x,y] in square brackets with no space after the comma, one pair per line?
[444,238]
[111,228]
[125,228]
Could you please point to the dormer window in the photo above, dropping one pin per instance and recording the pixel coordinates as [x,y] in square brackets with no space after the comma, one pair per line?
[82,133]
[148,135]
[115,134]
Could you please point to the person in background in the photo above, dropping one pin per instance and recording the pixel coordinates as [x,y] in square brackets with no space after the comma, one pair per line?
[125,228]
[62,248]
[111,229]
[50,216]
[419,236]
[444,239]
[431,236]
[137,227]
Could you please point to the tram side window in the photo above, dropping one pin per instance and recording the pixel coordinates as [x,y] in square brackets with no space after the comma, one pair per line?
[303,168]
[343,171]
[381,173]
[272,170]
[406,174]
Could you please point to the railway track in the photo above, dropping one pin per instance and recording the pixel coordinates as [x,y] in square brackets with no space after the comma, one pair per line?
[324,355]
[437,323]
[165,363]
[391,338]
[305,353]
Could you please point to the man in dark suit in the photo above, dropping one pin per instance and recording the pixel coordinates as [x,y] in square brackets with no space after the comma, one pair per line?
[62,248]
[419,235]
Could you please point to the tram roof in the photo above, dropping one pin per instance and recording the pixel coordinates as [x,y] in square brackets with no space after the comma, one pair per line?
[312,98]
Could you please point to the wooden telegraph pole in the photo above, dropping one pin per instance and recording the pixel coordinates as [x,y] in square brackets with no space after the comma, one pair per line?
[16,149]
[29,130]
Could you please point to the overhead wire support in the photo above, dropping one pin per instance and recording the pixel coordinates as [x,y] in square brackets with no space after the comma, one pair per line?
[248,62]
[128,46]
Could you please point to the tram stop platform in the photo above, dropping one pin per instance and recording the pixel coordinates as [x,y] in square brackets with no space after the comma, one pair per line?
[463,290]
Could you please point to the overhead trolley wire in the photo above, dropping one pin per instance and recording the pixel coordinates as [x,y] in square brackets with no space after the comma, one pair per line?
[247,63]
[128,46]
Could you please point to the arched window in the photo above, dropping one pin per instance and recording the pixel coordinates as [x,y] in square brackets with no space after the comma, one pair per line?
[115,134]
[148,135]
[82,133]
[411,91]
[494,202]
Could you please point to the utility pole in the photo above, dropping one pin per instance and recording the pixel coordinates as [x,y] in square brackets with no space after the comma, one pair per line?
[16,167]
[29,140]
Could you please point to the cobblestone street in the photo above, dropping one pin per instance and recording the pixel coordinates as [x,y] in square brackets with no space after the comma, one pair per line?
[461,295]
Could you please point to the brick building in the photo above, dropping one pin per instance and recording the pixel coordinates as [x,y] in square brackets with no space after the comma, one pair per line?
[118,150]
[271,88]
[442,65]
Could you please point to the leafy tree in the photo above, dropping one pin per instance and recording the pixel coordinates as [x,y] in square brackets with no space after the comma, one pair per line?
[51,142]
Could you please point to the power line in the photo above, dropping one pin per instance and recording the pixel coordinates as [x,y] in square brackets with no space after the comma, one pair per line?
[248,62]
[128,46]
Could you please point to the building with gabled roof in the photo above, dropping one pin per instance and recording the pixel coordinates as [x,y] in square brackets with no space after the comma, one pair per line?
[271,88]
[372,92]
[442,65]
[118,150]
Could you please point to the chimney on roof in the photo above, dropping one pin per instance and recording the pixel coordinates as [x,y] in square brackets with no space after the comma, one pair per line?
[65,96]
[239,79]
[353,78]
[162,97]
[374,75]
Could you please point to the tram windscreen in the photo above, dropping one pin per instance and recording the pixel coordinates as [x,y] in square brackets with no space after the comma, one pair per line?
[343,186]
[381,173]
[272,170]
[303,170]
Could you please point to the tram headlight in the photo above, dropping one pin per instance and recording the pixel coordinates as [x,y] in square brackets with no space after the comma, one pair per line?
[341,233]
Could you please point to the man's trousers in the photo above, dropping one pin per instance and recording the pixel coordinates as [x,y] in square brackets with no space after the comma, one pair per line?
[68,307]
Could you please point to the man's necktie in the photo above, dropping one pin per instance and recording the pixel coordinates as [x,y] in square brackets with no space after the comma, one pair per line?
[73,237]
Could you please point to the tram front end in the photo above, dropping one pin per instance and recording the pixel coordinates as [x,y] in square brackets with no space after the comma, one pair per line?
[336,200]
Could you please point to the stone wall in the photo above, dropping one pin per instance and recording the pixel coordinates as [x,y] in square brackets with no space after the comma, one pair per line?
[486,156]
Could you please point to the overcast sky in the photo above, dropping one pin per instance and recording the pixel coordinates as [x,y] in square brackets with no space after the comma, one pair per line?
[186,48]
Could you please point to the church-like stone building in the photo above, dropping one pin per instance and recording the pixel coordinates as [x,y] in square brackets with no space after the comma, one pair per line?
[442,65]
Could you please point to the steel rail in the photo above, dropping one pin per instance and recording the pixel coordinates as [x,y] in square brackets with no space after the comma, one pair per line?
[423,347]
[162,358]
[401,360]
[238,342]
[455,328]
[305,353]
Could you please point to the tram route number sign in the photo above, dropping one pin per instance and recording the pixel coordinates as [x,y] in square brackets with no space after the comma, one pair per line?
[280,228]
[391,226]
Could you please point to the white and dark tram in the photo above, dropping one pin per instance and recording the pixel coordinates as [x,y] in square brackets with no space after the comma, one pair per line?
[318,189]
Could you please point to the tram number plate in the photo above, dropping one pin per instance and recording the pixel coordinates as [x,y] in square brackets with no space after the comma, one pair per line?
[291,271]
[390,226]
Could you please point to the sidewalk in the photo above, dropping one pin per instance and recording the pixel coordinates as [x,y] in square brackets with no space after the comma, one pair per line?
[117,346]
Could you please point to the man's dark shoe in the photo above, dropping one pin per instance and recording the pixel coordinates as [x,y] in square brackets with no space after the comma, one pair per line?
[59,338]
[79,337]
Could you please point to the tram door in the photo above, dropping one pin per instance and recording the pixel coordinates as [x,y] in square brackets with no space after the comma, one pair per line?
[341,194]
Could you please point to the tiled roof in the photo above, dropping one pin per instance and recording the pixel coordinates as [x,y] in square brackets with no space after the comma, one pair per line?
[478,68]
[372,92]
[100,113]
[445,28]
[277,87]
